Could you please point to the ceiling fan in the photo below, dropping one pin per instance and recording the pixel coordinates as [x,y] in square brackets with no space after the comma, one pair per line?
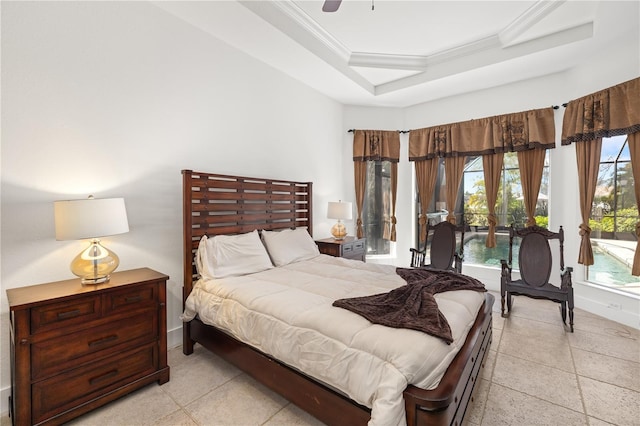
[331,5]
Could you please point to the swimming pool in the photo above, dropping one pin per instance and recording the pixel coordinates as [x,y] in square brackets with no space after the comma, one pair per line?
[476,253]
[606,270]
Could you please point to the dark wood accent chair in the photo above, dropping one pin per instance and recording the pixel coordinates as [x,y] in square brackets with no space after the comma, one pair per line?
[535,262]
[443,254]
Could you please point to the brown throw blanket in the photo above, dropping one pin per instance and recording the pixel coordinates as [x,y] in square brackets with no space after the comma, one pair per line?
[413,305]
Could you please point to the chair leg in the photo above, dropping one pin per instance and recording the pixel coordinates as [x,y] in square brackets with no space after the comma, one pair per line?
[509,301]
[570,303]
[563,311]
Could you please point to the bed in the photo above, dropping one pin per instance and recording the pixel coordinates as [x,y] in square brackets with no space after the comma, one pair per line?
[233,205]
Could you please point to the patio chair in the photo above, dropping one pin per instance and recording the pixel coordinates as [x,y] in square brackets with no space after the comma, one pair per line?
[535,262]
[443,254]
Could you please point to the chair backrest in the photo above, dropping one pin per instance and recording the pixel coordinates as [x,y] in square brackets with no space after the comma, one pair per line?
[535,258]
[417,258]
[443,244]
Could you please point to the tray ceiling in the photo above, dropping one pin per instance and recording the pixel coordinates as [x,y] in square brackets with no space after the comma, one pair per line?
[406,52]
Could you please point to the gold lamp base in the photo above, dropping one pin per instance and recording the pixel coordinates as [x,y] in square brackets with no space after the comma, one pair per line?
[339,231]
[95,264]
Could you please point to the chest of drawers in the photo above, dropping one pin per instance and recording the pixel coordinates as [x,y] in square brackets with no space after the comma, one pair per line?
[349,247]
[75,347]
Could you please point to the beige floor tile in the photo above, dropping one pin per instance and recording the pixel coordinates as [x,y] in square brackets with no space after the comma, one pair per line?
[597,422]
[142,407]
[178,418]
[489,363]
[476,407]
[291,415]
[195,375]
[547,383]
[241,401]
[607,369]
[506,406]
[610,403]
[496,336]
[538,342]
[539,310]
[615,346]
[595,324]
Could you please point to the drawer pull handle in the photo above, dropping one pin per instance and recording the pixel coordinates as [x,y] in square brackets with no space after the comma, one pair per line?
[132,299]
[68,314]
[105,376]
[103,340]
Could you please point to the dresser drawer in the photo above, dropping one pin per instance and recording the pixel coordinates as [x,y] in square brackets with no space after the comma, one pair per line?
[137,297]
[55,395]
[55,355]
[355,247]
[64,314]
[358,246]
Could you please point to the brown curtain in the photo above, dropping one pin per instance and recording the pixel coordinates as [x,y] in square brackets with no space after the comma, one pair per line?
[389,232]
[375,145]
[426,173]
[634,149]
[360,177]
[611,112]
[531,165]
[453,169]
[588,159]
[492,165]
[534,129]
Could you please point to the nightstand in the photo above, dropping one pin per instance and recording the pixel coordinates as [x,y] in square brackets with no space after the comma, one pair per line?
[349,248]
[75,348]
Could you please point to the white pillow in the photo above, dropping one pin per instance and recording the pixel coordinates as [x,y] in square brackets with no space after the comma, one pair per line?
[231,255]
[289,245]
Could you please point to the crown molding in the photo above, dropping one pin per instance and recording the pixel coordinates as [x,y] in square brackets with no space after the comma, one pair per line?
[304,21]
[529,18]
[288,17]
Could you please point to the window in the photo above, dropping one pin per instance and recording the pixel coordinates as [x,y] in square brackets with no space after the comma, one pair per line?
[509,207]
[510,201]
[376,211]
[614,214]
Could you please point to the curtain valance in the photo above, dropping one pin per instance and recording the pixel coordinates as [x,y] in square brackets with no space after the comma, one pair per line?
[609,112]
[375,145]
[520,131]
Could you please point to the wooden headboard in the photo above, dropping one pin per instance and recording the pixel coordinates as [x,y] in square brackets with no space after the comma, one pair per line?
[219,204]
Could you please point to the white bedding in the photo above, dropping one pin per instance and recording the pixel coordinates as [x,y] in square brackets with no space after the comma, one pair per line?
[286,312]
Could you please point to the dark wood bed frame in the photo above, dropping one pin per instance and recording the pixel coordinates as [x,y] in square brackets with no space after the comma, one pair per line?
[216,204]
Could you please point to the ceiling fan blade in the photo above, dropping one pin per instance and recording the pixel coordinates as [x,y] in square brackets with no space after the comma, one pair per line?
[331,5]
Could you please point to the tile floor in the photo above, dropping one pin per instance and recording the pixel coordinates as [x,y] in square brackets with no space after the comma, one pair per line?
[536,373]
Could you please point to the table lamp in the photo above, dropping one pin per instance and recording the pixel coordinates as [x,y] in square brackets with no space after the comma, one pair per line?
[91,219]
[342,211]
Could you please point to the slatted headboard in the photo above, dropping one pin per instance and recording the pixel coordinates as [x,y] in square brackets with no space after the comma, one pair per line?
[216,204]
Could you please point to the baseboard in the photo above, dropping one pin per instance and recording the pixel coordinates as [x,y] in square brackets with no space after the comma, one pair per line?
[174,337]
[4,403]
[614,305]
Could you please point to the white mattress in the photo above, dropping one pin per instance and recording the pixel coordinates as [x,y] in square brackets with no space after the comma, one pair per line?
[286,312]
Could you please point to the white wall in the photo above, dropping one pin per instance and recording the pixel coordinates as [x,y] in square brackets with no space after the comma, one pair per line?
[114,99]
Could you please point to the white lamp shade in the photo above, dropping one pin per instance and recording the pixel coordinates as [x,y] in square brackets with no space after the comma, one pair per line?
[90,218]
[340,210]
